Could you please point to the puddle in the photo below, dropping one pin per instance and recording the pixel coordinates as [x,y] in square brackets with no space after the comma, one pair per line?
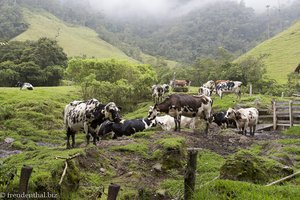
[6,153]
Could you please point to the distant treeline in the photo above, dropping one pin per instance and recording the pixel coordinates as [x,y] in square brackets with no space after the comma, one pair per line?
[39,62]
[112,80]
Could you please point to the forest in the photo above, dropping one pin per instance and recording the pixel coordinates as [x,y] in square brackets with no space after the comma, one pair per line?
[231,25]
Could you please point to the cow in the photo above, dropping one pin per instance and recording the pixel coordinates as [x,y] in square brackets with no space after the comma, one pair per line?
[177,105]
[205,91]
[166,122]
[180,83]
[23,86]
[87,115]
[244,118]
[128,127]
[157,93]
[166,88]
[210,85]
[220,120]
[229,87]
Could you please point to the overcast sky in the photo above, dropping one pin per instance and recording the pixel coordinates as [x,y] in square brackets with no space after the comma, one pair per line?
[168,7]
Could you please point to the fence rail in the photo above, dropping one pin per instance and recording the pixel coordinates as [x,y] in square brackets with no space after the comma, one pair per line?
[286,113]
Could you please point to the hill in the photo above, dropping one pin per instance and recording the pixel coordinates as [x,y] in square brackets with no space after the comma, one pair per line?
[32,133]
[282,53]
[75,40]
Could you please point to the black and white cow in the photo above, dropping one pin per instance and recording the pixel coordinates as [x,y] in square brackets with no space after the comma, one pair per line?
[87,115]
[220,119]
[128,127]
[23,86]
[177,105]
[157,93]
[204,91]
[229,87]
[209,85]
[166,88]
[244,117]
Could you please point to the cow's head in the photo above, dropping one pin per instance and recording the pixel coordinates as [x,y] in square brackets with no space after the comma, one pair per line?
[230,114]
[152,113]
[111,112]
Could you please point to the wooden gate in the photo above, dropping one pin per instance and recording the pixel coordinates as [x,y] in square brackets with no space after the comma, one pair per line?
[286,113]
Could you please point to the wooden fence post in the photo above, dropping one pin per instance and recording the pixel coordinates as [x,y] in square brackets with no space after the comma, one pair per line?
[250,90]
[274,115]
[291,112]
[113,191]
[190,174]
[24,179]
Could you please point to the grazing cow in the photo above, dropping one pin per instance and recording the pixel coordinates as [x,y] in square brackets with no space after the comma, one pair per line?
[23,86]
[180,83]
[87,115]
[229,87]
[204,91]
[220,120]
[166,88]
[210,85]
[167,122]
[187,105]
[244,118]
[128,127]
[157,93]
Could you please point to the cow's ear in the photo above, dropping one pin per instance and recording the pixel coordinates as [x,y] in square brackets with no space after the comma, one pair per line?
[120,108]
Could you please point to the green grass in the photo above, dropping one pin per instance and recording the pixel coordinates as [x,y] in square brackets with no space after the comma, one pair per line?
[75,40]
[283,53]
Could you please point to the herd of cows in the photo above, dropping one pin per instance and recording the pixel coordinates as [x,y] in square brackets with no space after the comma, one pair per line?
[97,119]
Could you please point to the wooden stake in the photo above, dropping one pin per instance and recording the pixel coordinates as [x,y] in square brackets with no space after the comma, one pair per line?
[24,179]
[274,115]
[190,174]
[291,112]
[113,191]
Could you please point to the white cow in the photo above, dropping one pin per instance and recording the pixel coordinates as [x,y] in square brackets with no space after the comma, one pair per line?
[205,91]
[244,118]
[167,122]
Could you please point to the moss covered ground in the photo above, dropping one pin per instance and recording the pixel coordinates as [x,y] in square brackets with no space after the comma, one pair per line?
[33,119]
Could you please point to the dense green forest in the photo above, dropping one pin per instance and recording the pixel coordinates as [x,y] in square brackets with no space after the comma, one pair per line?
[230,25]
[39,62]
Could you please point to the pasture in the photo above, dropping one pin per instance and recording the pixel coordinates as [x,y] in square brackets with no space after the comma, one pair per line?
[34,120]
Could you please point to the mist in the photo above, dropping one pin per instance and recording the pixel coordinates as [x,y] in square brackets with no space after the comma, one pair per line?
[144,8]
[169,8]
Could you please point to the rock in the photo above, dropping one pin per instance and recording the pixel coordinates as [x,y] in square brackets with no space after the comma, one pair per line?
[128,174]
[244,140]
[9,140]
[102,170]
[245,166]
[157,167]
[161,192]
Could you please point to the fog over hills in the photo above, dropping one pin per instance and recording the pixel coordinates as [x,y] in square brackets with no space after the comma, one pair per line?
[170,8]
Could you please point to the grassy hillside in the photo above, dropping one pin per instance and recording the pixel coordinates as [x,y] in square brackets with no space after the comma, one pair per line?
[283,53]
[33,120]
[75,40]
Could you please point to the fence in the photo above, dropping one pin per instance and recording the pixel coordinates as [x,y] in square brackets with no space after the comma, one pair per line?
[286,113]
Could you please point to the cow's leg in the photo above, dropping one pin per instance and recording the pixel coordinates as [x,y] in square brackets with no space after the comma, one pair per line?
[87,134]
[253,130]
[175,120]
[88,137]
[179,122]
[94,138]
[73,139]
[68,138]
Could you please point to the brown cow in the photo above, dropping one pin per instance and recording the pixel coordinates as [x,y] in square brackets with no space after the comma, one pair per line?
[187,105]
